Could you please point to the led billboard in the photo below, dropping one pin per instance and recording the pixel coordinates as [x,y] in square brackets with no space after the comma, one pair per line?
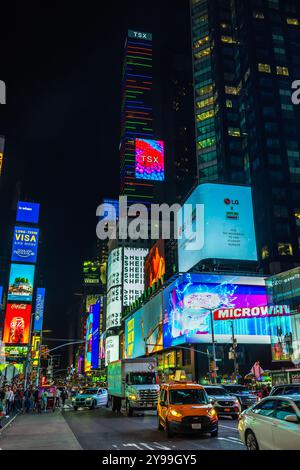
[216,222]
[21,283]
[88,343]
[143,329]
[111,349]
[155,266]
[114,307]
[281,338]
[1,293]
[133,274]
[28,212]
[90,299]
[39,309]
[2,142]
[114,268]
[25,244]
[189,300]
[149,159]
[96,311]
[94,272]
[17,323]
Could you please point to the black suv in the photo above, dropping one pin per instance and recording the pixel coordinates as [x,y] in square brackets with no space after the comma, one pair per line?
[244,396]
[286,389]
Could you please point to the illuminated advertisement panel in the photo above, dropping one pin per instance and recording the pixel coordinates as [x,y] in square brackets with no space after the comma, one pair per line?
[25,244]
[114,268]
[96,310]
[189,300]
[143,330]
[21,283]
[17,323]
[149,159]
[88,343]
[102,347]
[90,299]
[133,274]
[281,338]
[1,162]
[216,222]
[35,350]
[111,349]
[114,307]
[1,293]
[155,266]
[94,272]
[2,142]
[28,212]
[39,309]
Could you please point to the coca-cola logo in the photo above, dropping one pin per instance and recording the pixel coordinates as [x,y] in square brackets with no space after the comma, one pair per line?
[18,306]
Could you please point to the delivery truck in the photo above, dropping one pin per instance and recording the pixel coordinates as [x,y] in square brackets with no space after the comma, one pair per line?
[133,384]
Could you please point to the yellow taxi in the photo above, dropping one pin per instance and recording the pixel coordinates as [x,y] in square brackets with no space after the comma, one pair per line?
[184,407]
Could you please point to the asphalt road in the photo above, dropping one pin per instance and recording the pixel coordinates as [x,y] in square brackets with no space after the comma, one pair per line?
[101,429]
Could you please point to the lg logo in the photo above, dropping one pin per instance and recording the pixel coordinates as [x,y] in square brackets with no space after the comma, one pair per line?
[2,92]
[229,202]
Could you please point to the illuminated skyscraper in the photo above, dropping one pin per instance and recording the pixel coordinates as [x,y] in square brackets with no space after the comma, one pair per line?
[137,112]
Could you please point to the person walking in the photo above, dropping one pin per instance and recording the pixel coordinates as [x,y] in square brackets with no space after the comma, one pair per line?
[19,399]
[36,400]
[57,395]
[9,400]
[64,396]
[27,402]
[44,399]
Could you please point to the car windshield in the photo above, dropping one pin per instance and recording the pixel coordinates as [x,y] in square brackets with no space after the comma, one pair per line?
[216,391]
[89,391]
[236,389]
[292,390]
[188,397]
[146,378]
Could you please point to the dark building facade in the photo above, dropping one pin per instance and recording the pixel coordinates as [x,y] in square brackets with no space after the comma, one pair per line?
[245,59]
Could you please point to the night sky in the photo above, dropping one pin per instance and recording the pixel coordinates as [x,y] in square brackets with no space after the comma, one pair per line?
[62,67]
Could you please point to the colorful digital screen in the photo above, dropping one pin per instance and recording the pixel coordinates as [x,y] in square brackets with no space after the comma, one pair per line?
[1,293]
[155,267]
[190,300]
[112,349]
[143,330]
[15,353]
[149,159]
[28,212]
[216,222]
[17,323]
[88,343]
[25,244]
[94,272]
[96,311]
[281,338]
[21,281]
[90,299]
[39,309]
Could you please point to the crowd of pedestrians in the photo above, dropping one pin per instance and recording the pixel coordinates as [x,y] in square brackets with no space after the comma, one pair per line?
[15,399]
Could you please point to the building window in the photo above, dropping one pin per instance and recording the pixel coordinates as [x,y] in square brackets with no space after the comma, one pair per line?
[264,252]
[293,21]
[232,90]
[285,249]
[228,40]
[229,104]
[234,132]
[282,71]
[297,217]
[266,68]
[258,15]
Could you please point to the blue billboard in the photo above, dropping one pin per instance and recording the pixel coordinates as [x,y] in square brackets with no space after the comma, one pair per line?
[216,221]
[25,244]
[1,293]
[39,309]
[28,212]
[96,312]
[21,280]
[189,300]
[143,329]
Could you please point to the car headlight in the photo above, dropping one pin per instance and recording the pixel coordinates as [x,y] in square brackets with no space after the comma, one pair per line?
[237,403]
[212,413]
[89,399]
[133,397]
[176,414]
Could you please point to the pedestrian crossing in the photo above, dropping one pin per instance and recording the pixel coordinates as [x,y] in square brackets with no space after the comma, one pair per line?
[143,446]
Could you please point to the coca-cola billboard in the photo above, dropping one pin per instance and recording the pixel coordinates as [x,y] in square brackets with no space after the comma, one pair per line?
[17,323]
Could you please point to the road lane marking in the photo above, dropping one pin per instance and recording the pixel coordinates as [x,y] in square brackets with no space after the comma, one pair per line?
[228,427]
[133,445]
[230,440]
[146,445]
[160,446]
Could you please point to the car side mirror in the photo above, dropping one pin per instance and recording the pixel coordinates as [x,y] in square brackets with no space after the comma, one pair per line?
[291,419]
[162,403]
[212,401]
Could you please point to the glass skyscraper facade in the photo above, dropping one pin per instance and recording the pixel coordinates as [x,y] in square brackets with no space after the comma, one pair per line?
[246,55]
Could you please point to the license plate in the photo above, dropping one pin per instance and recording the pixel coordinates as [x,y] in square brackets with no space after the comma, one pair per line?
[196,426]
[226,409]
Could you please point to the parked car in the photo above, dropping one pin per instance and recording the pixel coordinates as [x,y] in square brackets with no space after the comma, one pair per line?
[272,424]
[185,408]
[91,398]
[243,394]
[287,389]
[225,404]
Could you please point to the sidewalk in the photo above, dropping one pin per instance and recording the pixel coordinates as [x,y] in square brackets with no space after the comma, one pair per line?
[46,431]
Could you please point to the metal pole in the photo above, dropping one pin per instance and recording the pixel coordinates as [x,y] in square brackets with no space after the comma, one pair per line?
[39,363]
[234,345]
[214,378]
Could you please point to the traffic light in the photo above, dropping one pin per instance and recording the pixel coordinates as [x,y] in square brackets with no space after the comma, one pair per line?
[212,366]
[44,352]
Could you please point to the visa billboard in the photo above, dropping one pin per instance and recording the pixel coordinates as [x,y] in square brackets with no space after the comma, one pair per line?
[225,231]
[25,244]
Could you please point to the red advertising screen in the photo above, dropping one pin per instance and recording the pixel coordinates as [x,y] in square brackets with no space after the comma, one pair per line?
[17,323]
[155,264]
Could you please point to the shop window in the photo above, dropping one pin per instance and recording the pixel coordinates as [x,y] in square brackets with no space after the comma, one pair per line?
[285,249]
